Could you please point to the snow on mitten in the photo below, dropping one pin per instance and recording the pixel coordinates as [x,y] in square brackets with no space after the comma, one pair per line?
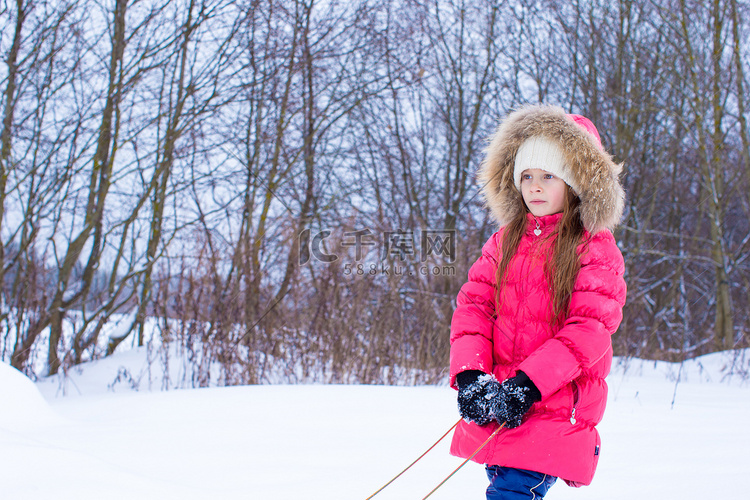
[515,398]
[476,390]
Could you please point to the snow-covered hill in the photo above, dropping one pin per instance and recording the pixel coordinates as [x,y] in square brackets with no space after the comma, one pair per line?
[670,431]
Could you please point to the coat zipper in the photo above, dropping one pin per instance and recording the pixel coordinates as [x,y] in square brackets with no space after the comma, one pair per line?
[576,399]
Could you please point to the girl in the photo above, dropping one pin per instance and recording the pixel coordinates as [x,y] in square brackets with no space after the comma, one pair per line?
[530,336]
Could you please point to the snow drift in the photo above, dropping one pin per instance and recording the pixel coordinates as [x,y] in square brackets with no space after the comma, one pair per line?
[671,431]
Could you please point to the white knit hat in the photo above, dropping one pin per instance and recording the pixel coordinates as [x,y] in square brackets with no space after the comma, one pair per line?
[544,154]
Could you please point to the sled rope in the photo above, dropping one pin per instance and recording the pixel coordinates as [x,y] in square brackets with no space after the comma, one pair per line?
[415,461]
[501,427]
[465,461]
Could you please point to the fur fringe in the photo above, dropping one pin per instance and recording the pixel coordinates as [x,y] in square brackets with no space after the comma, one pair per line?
[591,168]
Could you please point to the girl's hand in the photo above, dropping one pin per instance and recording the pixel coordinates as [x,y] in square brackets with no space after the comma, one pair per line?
[514,399]
[476,393]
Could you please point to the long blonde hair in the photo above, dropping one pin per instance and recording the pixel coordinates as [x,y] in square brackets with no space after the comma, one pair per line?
[562,269]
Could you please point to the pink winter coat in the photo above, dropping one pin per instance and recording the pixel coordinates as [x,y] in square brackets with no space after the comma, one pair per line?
[568,364]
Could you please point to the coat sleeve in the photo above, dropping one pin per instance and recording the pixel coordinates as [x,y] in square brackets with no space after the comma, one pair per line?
[474,316]
[594,314]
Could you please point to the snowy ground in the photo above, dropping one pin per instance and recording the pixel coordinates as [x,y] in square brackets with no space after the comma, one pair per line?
[661,438]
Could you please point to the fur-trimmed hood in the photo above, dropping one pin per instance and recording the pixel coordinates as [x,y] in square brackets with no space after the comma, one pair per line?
[592,169]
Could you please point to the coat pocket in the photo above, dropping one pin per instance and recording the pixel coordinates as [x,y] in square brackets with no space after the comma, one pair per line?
[576,400]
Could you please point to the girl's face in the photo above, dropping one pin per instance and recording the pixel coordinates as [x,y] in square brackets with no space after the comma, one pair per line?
[543,193]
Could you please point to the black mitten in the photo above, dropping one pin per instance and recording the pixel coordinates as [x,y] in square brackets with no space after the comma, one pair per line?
[476,391]
[515,398]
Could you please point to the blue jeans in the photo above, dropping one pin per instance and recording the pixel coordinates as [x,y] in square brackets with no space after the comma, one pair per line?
[507,483]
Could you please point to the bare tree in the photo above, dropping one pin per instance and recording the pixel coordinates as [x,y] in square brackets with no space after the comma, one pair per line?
[233,173]
[37,74]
